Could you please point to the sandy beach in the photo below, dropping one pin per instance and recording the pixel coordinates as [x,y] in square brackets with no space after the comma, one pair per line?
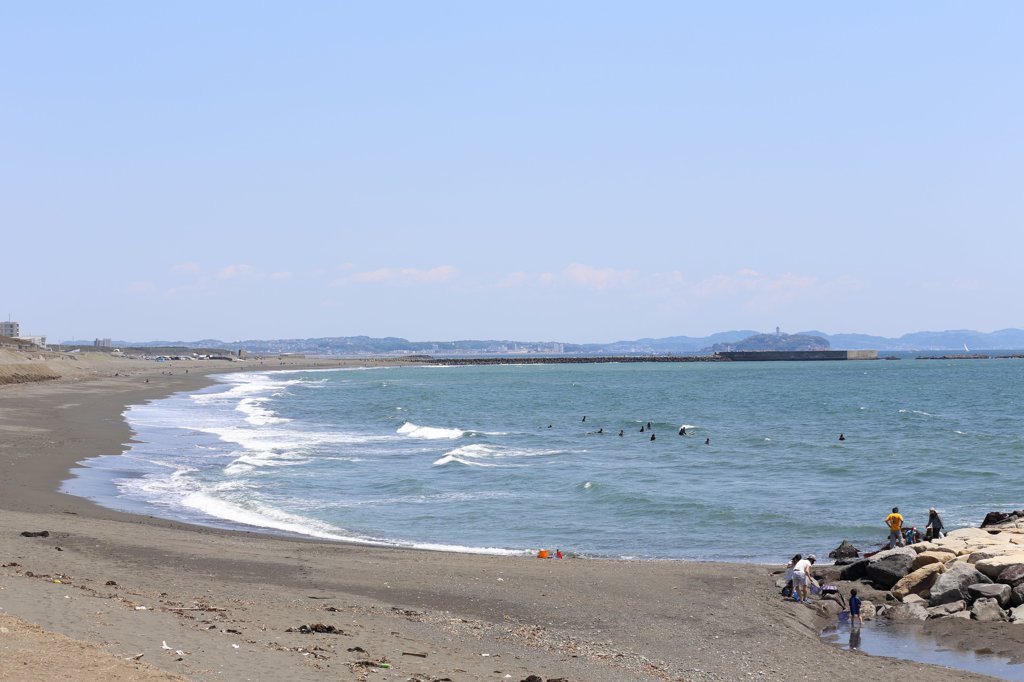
[113,596]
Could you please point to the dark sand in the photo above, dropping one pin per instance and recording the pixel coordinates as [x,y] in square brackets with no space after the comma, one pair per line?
[224,599]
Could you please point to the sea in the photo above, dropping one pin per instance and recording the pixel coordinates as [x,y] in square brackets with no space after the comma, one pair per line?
[509,459]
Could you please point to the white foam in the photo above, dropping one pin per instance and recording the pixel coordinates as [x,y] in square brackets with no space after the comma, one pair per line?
[429,432]
[473,455]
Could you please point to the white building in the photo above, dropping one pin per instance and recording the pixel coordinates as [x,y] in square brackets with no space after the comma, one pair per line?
[10,329]
[34,340]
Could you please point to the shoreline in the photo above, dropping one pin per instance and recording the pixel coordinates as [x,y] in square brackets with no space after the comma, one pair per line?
[226,598]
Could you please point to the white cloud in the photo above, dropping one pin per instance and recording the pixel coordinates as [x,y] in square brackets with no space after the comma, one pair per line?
[442,273]
[237,270]
[597,278]
[141,287]
[186,268]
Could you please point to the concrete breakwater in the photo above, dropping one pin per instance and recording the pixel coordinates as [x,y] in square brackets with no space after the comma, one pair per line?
[574,359]
[724,356]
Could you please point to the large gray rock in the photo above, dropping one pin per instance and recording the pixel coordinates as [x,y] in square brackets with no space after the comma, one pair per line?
[952,585]
[1012,575]
[855,570]
[828,609]
[844,551]
[907,612]
[1001,593]
[886,568]
[868,610]
[988,611]
[1017,595]
[1017,615]
[947,609]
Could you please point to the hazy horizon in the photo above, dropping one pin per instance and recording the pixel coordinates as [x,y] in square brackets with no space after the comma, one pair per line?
[582,172]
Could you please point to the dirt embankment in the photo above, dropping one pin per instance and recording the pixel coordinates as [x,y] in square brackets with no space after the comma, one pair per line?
[18,367]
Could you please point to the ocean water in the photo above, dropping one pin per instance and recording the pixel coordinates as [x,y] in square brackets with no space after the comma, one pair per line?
[498,459]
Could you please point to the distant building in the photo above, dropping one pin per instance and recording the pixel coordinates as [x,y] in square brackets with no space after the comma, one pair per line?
[34,340]
[102,343]
[9,328]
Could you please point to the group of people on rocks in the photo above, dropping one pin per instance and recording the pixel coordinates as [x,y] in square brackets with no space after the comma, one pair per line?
[900,535]
[801,582]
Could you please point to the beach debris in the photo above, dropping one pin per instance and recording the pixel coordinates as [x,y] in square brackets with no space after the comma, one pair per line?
[373,664]
[111,583]
[135,657]
[141,608]
[164,646]
[234,646]
[35,534]
[414,653]
[358,649]
[318,627]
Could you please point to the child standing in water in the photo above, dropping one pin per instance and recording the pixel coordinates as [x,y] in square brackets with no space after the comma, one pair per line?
[856,619]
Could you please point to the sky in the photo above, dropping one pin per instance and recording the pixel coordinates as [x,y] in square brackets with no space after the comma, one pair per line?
[572,171]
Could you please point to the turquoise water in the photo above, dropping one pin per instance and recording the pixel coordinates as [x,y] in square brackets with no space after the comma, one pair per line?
[499,459]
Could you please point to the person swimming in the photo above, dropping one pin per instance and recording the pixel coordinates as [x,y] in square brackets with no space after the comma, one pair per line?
[584,418]
[641,429]
[707,441]
[622,432]
[682,430]
[842,437]
[652,436]
[601,430]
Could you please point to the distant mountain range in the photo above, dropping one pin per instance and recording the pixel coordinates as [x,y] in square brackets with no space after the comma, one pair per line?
[953,340]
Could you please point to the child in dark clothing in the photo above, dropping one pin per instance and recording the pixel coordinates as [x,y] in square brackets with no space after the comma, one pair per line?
[855,616]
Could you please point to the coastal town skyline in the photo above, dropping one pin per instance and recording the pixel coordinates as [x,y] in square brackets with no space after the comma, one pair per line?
[580,173]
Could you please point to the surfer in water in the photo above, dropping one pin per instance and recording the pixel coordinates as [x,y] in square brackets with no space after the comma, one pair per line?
[652,436]
[842,437]
[682,430]
[622,432]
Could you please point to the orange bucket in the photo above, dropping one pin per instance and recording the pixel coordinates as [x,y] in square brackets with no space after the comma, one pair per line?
[544,554]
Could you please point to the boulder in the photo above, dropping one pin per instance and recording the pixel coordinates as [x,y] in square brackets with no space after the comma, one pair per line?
[961,614]
[1001,593]
[907,612]
[1012,575]
[947,609]
[952,585]
[932,556]
[1017,615]
[996,518]
[919,582]
[988,611]
[868,610]
[886,568]
[1017,596]
[855,570]
[844,551]
[914,599]
[994,566]
[828,609]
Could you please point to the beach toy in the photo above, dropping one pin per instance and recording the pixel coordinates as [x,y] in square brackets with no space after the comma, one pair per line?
[544,554]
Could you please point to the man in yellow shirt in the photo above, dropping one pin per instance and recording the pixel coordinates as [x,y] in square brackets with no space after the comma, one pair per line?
[895,523]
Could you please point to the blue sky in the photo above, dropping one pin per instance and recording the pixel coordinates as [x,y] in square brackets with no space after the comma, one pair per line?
[537,171]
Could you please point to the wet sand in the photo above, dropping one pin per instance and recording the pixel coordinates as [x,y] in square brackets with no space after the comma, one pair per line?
[222,602]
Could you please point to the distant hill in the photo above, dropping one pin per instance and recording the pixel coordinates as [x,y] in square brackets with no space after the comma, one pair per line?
[788,342]
[952,340]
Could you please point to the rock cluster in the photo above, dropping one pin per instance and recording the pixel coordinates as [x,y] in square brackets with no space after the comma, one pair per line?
[975,573]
